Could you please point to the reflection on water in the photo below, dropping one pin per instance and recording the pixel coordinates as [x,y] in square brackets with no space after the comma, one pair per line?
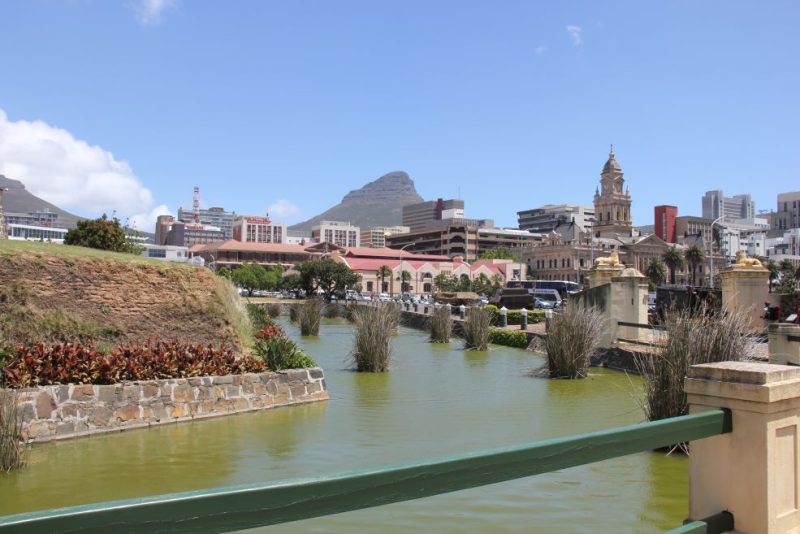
[437,400]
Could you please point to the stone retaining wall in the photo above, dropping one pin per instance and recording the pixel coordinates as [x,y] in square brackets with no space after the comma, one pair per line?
[68,411]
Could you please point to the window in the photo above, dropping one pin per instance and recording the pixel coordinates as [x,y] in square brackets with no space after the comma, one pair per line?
[369,286]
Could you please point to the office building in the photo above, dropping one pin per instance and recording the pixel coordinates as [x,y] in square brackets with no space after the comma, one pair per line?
[424,214]
[787,214]
[375,237]
[342,234]
[735,208]
[665,222]
[547,218]
[216,217]
[180,234]
[256,229]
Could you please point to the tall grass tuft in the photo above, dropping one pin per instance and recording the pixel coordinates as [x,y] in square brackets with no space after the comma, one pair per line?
[441,325]
[331,310]
[12,450]
[573,337]
[308,315]
[374,328]
[274,310]
[293,312]
[476,328]
[690,338]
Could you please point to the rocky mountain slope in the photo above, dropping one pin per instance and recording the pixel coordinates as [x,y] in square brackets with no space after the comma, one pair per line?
[17,199]
[379,203]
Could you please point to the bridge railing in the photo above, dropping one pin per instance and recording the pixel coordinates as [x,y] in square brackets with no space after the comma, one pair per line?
[743,428]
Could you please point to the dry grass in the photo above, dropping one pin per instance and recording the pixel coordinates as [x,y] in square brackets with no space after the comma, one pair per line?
[476,328]
[441,325]
[309,314]
[274,310]
[573,336]
[691,338]
[12,450]
[374,328]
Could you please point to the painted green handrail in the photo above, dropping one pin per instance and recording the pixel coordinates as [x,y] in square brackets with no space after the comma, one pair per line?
[240,507]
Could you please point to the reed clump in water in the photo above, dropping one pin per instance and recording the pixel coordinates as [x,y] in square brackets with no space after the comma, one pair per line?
[441,325]
[476,328]
[691,337]
[12,450]
[374,328]
[309,314]
[573,336]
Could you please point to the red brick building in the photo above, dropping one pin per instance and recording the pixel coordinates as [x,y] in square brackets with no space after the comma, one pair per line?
[665,222]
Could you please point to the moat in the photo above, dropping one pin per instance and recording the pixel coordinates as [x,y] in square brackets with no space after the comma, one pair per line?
[437,400]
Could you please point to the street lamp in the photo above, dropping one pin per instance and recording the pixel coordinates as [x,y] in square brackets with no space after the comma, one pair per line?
[711,253]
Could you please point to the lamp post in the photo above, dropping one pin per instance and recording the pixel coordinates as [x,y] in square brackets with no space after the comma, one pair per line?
[711,253]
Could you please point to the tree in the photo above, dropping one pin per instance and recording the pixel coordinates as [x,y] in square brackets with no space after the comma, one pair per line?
[327,276]
[482,284]
[383,273]
[694,258]
[445,282]
[291,282]
[225,272]
[500,254]
[405,278]
[656,271]
[497,281]
[103,234]
[464,283]
[774,271]
[788,281]
[252,277]
[674,260]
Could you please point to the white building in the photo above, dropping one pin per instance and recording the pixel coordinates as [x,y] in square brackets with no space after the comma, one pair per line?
[30,232]
[342,234]
[166,252]
[256,229]
[375,237]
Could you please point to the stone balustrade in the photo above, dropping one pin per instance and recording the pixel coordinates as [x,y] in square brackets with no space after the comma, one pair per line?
[67,411]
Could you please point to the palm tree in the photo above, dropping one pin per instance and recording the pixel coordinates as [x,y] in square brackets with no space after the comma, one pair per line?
[656,271]
[774,271]
[674,260]
[694,257]
[383,273]
[405,278]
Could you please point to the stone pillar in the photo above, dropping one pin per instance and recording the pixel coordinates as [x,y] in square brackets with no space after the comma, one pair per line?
[603,274]
[745,288]
[784,343]
[752,472]
[629,305]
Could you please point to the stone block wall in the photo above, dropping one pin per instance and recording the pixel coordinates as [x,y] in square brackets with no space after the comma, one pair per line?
[68,411]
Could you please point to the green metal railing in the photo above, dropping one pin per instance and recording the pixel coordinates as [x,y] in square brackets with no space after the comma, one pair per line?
[240,507]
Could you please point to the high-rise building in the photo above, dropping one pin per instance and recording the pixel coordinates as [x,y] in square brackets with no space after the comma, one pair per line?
[612,205]
[255,229]
[342,234]
[216,217]
[787,216]
[181,234]
[375,237]
[665,222]
[424,214]
[547,218]
[735,208]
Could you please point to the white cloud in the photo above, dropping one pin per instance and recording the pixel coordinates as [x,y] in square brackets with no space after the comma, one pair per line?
[539,50]
[145,222]
[283,210]
[151,12]
[72,174]
[575,34]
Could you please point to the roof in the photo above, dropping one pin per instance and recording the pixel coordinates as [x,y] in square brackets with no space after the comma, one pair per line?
[373,264]
[234,245]
[392,253]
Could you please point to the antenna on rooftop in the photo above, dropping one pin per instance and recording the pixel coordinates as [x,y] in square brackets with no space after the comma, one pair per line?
[196,205]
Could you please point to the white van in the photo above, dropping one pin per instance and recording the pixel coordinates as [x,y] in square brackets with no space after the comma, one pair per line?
[549,295]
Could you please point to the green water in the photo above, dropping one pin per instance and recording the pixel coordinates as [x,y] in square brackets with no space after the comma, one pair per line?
[436,401]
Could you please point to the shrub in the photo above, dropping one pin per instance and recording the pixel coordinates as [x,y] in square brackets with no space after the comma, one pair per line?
[441,325]
[273,310]
[258,315]
[534,316]
[74,363]
[309,314]
[572,337]
[11,448]
[331,311]
[690,338]
[374,327]
[476,329]
[278,351]
[495,313]
[508,338]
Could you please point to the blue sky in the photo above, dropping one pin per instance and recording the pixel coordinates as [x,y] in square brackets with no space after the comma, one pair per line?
[129,104]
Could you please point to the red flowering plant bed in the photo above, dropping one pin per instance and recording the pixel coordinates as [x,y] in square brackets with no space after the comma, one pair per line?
[74,363]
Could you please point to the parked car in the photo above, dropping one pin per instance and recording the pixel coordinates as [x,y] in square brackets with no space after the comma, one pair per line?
[543,304]
[384,297]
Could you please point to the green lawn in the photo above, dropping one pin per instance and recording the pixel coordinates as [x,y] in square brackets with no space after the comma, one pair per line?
[9,247]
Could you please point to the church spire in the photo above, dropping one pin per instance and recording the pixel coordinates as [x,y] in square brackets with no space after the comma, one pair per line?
[611,152]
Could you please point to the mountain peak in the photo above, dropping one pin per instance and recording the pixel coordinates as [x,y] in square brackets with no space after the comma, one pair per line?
[378,203]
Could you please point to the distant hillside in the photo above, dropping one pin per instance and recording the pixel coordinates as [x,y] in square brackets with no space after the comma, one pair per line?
[18,200]
[379,203]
